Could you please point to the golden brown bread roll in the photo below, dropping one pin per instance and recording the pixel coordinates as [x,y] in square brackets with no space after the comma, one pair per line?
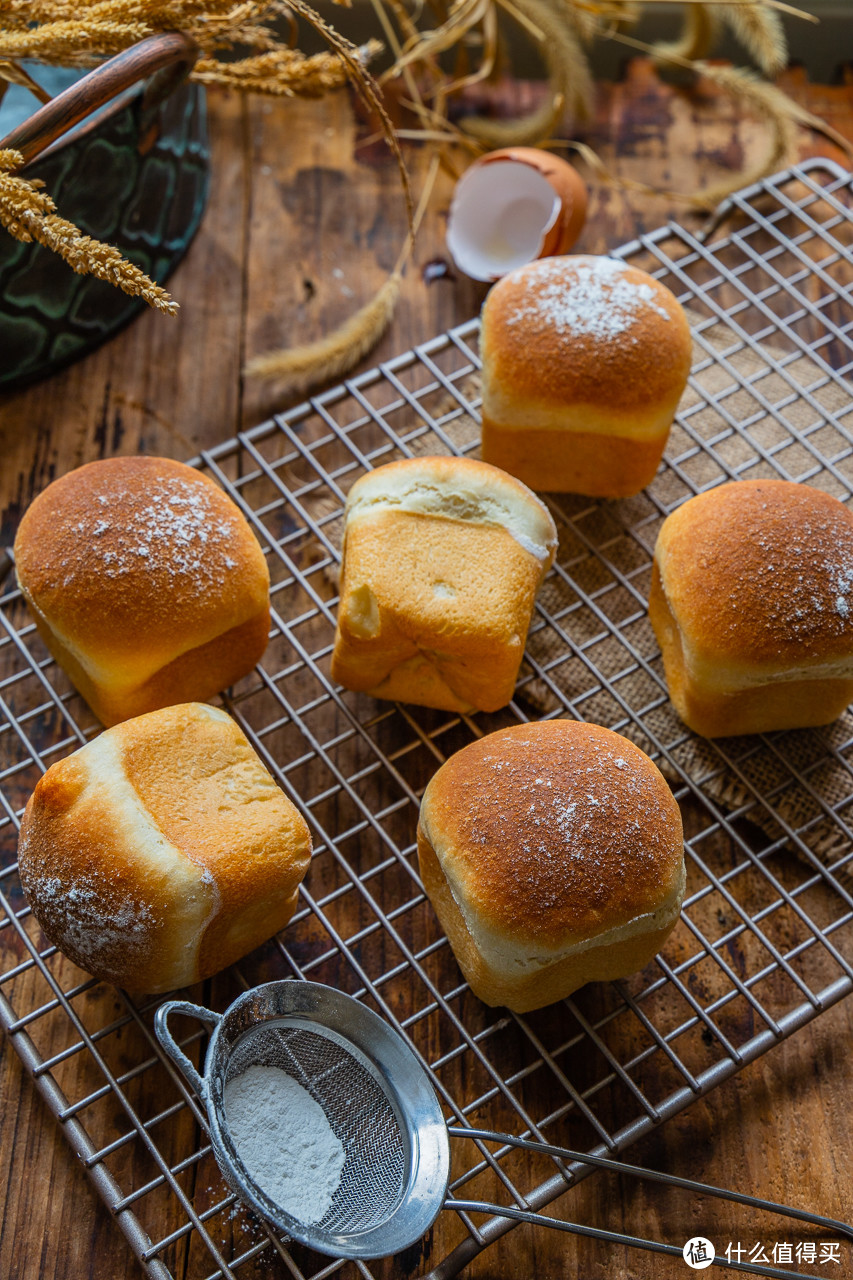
[162,851]
[146,584]
[442,560]
[553,856]
[752,605]
[584,362]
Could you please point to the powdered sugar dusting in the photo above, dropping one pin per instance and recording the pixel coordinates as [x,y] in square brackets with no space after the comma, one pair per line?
[172,526]
[564,830]
[593,297]
[791,570]
[88,924]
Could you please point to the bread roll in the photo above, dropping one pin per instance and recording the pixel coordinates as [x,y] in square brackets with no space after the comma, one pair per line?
[584,362]
[553,856]
[442,560]
[146,584]
[162,851]
[752,605]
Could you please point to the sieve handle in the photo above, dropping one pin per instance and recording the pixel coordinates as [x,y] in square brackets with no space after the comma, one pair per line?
[167,1040]
[637,1171]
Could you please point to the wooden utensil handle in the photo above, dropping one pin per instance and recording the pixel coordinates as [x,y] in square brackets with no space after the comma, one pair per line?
[171,50]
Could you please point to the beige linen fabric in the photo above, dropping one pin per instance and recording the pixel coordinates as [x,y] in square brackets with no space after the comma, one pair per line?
[748,412]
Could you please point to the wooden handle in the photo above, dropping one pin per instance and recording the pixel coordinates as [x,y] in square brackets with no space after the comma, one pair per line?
[172,49]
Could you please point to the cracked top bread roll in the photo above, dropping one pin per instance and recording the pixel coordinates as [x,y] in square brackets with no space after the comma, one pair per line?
[752,605]
[146,584]
[442,559]
[584,362]
[162,851]
[553,856]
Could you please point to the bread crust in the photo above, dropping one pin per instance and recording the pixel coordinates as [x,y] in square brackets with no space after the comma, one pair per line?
[752,604]
[162,851]
[442,559]
[601,466]
[146,583]
[553,855]
[536,345]
[580,352]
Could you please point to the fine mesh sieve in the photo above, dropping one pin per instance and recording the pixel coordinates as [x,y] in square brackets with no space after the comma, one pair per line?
[376,1096]
[357,1108]
[380,1103]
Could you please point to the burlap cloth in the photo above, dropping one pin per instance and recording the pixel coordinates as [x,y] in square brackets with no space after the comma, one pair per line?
[591,650]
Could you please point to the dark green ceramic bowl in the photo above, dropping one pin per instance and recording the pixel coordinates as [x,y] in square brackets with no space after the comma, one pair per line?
[135,174]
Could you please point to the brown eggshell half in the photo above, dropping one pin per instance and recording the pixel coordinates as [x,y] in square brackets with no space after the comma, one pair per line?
[511,207]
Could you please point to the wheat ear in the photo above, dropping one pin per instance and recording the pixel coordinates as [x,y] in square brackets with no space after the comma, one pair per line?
[569,78]
[281,72]
[696,40]
[331,357]
[770,105]
[61,41]
[28,214]
[760,31]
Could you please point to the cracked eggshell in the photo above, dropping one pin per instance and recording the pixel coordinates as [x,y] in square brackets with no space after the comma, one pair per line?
[511,207]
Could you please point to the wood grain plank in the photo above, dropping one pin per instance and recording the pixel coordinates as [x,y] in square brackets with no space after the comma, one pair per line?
[162,385]
[305,220]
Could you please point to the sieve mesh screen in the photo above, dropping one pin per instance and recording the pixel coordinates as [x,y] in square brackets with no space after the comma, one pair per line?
[357,1108]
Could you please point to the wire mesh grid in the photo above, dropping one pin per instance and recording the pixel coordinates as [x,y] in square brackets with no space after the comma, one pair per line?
[764,944]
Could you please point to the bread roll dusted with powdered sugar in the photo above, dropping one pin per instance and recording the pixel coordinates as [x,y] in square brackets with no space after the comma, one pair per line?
[584,362]
[146,583]
[442,559]
[162,851]
[553,856]
[752,605]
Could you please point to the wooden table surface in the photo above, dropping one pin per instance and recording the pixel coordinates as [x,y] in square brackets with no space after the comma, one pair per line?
[304,221]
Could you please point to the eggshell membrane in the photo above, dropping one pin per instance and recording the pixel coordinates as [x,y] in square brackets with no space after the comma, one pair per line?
[511,207]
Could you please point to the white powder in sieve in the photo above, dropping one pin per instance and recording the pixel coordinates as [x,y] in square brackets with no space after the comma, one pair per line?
[285,1141]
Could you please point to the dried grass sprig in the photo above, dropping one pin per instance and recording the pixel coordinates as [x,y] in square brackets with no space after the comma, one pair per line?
[282,72]
[569,78]
[773,107]
[524,131]
[698,35]
[29,213]
[463,16]
[759,29]
[302,367]
[331,357]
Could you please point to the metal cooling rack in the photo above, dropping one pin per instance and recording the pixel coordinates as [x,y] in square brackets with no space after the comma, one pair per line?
[766,938]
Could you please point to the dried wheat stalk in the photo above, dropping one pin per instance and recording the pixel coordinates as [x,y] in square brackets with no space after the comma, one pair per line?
[759,29]
[80,32]
[304,366]
[281,72]
[29,214]
[769,104]
[86,31]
